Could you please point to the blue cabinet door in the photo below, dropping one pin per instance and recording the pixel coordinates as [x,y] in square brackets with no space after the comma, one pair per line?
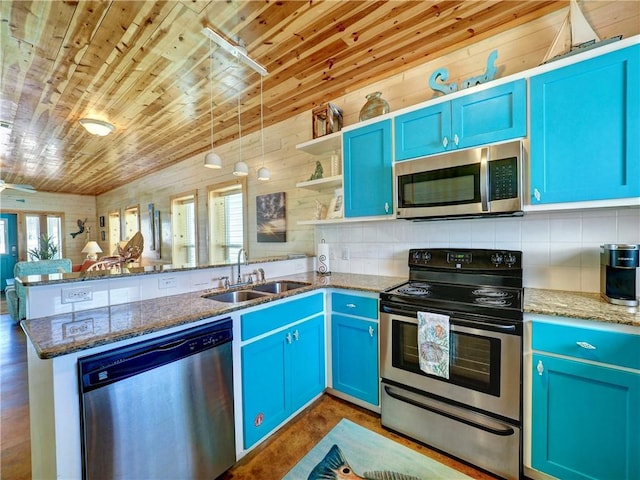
[264,402]
[585,420]
[585,126]
[368,180]
[354,344]
[305,362]
[422,132]
[488,116]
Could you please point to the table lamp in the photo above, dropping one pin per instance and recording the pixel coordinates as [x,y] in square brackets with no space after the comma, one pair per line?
[91,249]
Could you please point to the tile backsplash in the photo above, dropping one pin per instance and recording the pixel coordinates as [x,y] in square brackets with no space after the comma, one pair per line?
[561,249]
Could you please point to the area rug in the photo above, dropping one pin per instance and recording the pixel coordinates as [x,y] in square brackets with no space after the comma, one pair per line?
[353,452]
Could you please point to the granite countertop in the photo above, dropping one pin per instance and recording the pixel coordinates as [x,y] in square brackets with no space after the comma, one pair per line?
[589,306]
[67,333]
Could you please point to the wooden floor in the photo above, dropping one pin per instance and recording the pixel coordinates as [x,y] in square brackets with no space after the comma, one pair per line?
[271,461]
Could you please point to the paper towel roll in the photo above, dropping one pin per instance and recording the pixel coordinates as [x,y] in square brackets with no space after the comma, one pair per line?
[323,258]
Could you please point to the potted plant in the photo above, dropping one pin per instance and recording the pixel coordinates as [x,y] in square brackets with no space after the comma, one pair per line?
[46,250]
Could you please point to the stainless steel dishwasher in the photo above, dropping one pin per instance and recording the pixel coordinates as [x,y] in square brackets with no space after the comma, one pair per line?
[161,408]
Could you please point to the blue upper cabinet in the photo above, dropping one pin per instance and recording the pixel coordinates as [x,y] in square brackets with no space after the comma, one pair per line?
[585,130]
[368,180]
[488,116]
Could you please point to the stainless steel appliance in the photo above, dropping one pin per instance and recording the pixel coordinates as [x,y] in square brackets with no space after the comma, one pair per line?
[473,182]
[161,408]
[475,414]
[618,263]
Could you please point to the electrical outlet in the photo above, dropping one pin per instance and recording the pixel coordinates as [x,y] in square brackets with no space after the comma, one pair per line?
[345,253]
[78,294]
[169,282]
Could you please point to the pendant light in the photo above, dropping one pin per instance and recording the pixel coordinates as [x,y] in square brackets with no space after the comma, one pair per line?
[241,169]
[211,159]
[263,172]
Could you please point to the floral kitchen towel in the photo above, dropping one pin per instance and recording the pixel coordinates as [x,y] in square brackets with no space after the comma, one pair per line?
[433,343]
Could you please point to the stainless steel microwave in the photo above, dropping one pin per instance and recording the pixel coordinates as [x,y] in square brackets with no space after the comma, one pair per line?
[462,183]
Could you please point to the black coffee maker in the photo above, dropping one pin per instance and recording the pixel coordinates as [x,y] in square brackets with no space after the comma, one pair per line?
[618,263]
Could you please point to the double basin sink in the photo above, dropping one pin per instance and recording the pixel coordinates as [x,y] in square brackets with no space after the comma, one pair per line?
[256,291]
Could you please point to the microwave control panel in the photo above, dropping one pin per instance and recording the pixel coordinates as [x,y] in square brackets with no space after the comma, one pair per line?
[503,179]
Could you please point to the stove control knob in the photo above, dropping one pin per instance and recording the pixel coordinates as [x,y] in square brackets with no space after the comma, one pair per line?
[510,259]
[426,257]
[496,259]
[416,256]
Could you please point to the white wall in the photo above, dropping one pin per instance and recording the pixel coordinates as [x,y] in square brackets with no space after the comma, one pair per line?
[561,250]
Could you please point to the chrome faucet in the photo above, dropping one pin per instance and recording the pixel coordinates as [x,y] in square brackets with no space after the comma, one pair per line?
[241,252]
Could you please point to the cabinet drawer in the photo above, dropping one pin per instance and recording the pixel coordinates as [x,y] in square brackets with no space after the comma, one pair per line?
[614,348]
[276,316]
[354,305]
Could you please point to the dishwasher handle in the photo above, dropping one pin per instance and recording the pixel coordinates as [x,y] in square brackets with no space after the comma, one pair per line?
[114,365]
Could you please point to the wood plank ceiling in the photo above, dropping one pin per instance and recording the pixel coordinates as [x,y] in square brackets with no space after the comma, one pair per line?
[144,67]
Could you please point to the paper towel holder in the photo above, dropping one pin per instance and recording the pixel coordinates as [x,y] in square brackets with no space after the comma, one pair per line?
[323,259]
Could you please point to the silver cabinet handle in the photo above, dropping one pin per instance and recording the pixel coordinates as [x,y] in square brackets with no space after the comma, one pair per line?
[386,207]
[586,345]
[371,331]
[296,335]
[351,305]
[540,367]
[445,142]
[536,194]
[288,337]
[456,140]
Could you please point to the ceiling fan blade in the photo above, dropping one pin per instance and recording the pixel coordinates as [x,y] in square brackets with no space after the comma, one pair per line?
[20,187]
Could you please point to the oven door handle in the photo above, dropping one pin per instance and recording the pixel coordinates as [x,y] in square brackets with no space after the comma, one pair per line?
[502,432]
[487,326]
[454,321]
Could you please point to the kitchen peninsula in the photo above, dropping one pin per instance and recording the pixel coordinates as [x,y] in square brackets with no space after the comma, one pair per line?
[55,342]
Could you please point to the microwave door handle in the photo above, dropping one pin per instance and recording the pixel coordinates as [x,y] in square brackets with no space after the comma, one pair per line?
[484,179]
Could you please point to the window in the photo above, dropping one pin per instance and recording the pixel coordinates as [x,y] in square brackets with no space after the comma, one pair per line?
[4,237]
[131,221]
[227,230]
[114,232]
[183,224]
[38,225]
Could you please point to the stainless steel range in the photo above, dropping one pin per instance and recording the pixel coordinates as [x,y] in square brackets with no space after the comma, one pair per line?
[473,409]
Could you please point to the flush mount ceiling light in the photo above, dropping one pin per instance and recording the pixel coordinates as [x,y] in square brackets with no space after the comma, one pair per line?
[241,169]
[97,127]
[236,51]
[211,159]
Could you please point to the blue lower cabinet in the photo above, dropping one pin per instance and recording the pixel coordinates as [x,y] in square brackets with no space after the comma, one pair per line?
[585,420]
[280,373]
[354,353]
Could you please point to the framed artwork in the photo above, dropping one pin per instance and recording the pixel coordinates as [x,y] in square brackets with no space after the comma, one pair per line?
[271,217]
[152,245]
[156,232]
[335,207]
[101,221]
[103,236]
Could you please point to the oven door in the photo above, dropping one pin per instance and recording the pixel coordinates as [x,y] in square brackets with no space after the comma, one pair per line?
[485,362]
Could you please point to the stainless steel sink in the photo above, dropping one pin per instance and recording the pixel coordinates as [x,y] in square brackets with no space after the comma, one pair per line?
[279,287]
[236,296]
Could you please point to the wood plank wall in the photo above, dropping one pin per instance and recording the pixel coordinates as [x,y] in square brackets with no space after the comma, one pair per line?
[71,207]
[518,49]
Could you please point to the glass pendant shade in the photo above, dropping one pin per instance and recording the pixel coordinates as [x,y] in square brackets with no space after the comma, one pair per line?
[241,169]
[212,160]
[264,174]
